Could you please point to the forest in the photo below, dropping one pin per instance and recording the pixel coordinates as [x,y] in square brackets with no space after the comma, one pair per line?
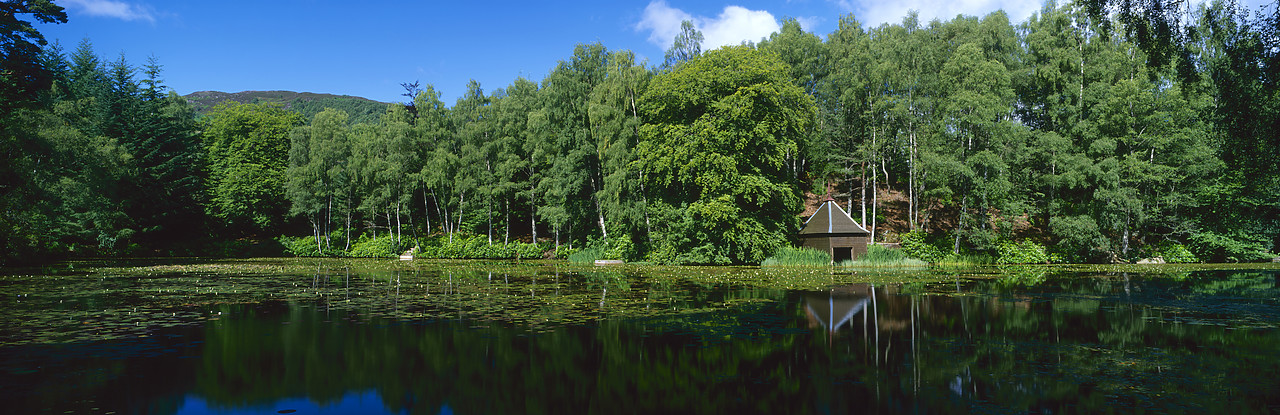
[1084,134]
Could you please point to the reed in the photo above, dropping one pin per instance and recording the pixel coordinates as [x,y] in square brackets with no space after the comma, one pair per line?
[797,257]
[881,257]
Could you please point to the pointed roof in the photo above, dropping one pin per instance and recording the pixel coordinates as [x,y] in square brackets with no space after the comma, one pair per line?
[831,219]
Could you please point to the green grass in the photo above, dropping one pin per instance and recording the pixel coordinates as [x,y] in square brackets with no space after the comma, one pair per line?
[587,255]
[797,257]
[880,257]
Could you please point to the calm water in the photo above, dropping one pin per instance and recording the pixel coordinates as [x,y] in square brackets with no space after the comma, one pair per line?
[329,336]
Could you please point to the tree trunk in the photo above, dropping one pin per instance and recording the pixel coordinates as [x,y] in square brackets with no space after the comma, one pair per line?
[533,212]
[458,220]
[964,210]
[1124,243]
[595,198]
[412,227]
[328,222]
[348,243]
[426,209]
[848,206]
[644,200]
[911,179]
[315,226]
[862,198]
[875,201]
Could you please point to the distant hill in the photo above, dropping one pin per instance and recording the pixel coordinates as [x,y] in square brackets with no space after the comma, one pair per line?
[306,103]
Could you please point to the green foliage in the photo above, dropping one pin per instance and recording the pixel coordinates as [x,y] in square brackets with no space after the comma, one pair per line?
[1171,252]
[1022,276]
[1025,252]
[476,247]
[915,244]
[247,148]
[1047,130]
[367,246]
[1217,247]
[788,256]
[305,103]
[616,248]
[302,246]
[722,130]
[306,246]
[587,255]
[878,256]
[964,260]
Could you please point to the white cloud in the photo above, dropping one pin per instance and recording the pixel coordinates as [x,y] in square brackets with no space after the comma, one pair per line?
[872,12]
[736,24]
[809,23]
[109,8]
[662,22]
[733,26]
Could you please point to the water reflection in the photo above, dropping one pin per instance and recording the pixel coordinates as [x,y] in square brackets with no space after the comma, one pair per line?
[479,341]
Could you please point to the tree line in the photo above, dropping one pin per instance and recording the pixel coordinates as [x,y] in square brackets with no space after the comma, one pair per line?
[969,133]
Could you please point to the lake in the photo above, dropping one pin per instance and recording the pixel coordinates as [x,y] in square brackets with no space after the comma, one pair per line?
[316,336]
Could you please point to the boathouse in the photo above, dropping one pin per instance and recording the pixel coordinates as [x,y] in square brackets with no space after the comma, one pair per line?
[831,230]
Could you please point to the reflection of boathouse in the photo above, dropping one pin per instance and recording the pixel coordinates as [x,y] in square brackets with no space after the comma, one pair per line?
[831,230]
[837,307]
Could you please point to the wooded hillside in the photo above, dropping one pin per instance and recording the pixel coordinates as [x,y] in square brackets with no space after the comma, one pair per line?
[1055,135]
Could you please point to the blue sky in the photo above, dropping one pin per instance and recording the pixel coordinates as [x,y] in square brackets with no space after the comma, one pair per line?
[367,48]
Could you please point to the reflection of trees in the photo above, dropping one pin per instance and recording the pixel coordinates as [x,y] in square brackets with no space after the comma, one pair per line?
[927,353]
[622,341]
[1074,346]
[609,367]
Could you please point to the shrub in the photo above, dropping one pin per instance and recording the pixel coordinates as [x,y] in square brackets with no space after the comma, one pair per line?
[1025,252]
[302,246]
[1217,247]
[616,248]
[1171,252]
[476,247]
[915,244]
[792,257]
[371,247]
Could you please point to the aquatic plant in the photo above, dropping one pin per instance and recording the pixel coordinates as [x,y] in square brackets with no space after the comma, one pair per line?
[797,257]
[878,256]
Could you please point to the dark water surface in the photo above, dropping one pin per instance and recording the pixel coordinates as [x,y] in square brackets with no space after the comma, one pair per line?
[333,336]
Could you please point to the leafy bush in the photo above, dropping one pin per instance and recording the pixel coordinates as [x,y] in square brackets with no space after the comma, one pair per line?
[915,244]
[476,247]
[564,252]
[1025,252]
[616,248]
[300,246]
[621,248]
[1171,252]
[370,247]
[1216,247]
[792,257]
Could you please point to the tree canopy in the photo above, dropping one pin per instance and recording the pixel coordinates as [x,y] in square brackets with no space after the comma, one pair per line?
[1093,136]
